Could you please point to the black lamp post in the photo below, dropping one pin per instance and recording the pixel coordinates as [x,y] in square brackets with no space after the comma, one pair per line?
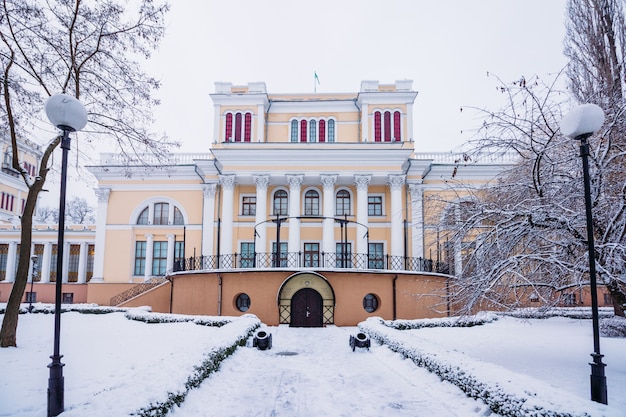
[69,115]
[579,124]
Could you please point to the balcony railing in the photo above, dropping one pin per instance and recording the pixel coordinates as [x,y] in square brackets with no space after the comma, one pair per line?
[310,260]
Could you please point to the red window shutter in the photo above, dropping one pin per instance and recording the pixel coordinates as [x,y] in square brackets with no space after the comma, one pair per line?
[228,134]
[387,126]
[238,127]
[248,128]
[397,127]
[303,131]
[377,126]
[322,131]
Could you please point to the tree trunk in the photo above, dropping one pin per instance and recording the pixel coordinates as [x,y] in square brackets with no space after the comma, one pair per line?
[8,333]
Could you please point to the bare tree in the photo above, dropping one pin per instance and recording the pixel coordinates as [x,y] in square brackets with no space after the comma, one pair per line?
[47,214]
[91,50]
[79,211]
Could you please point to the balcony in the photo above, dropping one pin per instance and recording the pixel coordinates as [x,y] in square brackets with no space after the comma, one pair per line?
[327,261]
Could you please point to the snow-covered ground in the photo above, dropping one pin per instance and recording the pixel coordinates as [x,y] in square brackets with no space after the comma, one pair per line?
[115,367]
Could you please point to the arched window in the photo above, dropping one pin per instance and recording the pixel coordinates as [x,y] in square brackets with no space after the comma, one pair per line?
[238,127]
[178,216]
[342,203]
[331,130]
[228,134]
[397,127]
[322,131]
[280,203]
[143,216]
[313,130]
[387,126]
[161,213]
[294,130]
[302,130]
[247,127]
[311,203]
[377,127]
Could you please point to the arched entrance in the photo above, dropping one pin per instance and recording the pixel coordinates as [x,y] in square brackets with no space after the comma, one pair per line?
[306,299]
[306,308]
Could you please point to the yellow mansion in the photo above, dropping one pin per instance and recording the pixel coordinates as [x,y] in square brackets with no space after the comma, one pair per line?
[306,209]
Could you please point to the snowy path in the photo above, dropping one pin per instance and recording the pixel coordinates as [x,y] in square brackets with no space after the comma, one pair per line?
[313,372]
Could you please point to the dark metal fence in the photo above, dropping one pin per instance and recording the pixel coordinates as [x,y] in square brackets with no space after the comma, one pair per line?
[310,260]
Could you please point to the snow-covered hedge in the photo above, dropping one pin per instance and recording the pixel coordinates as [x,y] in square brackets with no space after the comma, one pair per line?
[144,314]
[613,327]
[507,393]
[569,312]
[234,333]
[460,321]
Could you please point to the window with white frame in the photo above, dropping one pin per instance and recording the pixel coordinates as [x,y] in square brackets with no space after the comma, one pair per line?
[160,213]
[342,203]
[387,126]
[281,203]
[311,203]
[238,127]
[374,205]
[312,130]
[248,205]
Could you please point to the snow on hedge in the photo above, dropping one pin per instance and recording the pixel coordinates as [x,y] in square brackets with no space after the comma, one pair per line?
[507,393]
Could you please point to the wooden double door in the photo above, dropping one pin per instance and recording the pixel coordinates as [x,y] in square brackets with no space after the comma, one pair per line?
[307,309]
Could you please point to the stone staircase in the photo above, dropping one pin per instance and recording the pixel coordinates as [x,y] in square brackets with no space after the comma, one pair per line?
[137,290]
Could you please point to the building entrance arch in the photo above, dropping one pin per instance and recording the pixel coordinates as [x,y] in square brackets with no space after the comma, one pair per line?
[306,300]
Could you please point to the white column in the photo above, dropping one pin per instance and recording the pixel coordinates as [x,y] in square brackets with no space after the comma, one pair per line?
[295,182]
[408,135]
[219,123]
[208,218]
[260,115]
[66,261]
[82,263]
[149,256]
[416,190]
[171,242]
[362,183]
[226,245]
[100,243]
[262,182]
[395,184]
[328,236]
[46,261]
[11,257]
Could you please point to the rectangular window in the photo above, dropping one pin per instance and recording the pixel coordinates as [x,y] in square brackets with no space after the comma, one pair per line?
[248,206]
[159,258]
[4,255]
[72,267]
[569,299]
[376,257]
[140,258]
[31,297]
[247,254]
[374,205]
[282,256]
[311,255]
[344,257]
[53,263]
[161,213]
[608,300]
[90,258]
[67,298]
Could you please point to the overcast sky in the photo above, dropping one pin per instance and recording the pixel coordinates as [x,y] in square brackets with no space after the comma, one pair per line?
[445,46]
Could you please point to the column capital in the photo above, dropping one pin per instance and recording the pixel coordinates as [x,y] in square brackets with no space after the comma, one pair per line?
[228,181]
[102,194]
[416,188]
[329,180]
[209,190]
[362,181]
[295,181]
[261,182]
[396,181]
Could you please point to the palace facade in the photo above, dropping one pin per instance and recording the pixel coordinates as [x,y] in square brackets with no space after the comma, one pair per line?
[304,209]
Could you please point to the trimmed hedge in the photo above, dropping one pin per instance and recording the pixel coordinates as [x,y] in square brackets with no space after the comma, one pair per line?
[516,395]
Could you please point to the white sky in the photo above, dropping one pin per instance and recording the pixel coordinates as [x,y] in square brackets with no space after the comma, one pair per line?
[446,47]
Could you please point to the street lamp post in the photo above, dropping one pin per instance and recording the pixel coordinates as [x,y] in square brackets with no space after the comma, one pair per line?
[69,115]
[579,124]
